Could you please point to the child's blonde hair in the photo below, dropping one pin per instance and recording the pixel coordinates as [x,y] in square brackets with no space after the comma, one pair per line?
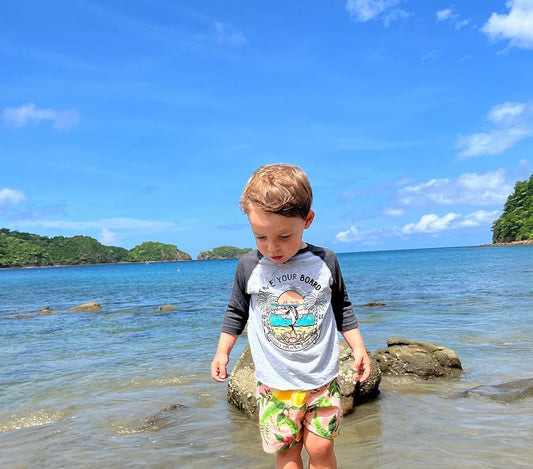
[278,188]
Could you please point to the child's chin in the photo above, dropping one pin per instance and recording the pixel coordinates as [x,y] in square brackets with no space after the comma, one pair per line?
[277,259]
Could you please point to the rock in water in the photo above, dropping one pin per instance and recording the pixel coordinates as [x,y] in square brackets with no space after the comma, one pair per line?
[355,393]
[415,358]
[92,306]
[242,383]
[167,308]
[505,393]
[162,419]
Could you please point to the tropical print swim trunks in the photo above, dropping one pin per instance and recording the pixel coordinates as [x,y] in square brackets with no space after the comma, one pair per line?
[283,414]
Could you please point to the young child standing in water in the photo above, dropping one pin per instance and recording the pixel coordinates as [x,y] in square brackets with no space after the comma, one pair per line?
[293,297]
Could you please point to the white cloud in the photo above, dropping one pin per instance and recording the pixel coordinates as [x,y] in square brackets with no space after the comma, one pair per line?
[431,223]
[393,212]
[443,15]
[481,217]
[468,189]
[511,122]
[351,234]
[428,224]
[449,15]
[228,36]
[104,224]
[507,111]
[108,238]
[366,10]
[516,26]
[30,114]
[11,196]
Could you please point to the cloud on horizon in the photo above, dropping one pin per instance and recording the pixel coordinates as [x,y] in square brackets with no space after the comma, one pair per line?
[427,224]
[475,189]
[468,189]
[431,223]
[105,223]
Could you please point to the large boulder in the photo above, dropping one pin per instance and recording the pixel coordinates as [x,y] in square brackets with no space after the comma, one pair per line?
[355,393]
[420,359]
[242,383]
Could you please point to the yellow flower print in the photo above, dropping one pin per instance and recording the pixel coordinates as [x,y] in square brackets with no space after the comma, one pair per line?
[297,398]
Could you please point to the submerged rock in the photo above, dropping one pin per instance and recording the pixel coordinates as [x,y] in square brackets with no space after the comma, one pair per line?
[421,359]
[242,383]
[162,419]
[91,306]
[505,393]
[47,310]
[167,308]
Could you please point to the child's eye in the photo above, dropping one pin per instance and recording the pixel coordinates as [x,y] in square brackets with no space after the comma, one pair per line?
[285,236]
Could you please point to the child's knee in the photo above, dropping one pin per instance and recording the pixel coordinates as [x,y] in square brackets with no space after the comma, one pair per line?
[318,447]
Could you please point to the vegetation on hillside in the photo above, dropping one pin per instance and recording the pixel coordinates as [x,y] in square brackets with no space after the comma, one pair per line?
[516,221]
[19,249]
[153,251]
[223,252]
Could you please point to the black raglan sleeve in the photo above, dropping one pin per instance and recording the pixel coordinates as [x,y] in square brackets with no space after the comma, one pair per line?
[237,311]
[340,302]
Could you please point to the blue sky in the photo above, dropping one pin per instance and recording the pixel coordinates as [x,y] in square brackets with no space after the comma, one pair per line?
[140,120]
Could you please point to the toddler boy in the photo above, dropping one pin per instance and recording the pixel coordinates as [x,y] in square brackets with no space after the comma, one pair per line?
[293,297]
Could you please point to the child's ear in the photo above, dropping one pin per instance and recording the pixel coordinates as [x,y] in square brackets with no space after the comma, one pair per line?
[309,219]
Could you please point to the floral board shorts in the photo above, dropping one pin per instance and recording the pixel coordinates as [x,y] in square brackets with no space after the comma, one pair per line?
[283,414]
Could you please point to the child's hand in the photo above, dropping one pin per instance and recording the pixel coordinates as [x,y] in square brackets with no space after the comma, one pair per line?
[219,367]
[361,366]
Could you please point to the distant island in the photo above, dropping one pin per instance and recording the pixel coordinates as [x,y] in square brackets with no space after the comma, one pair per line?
[514,227]
[18,249]
[223,252]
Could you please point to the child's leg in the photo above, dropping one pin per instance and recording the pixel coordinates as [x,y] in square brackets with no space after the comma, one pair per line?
[320,450]
[291,458]
[321,425]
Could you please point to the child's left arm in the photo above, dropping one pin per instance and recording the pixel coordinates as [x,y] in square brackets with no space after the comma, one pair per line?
[361,364]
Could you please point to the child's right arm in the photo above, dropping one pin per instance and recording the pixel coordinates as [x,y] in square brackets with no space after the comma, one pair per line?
[220,362]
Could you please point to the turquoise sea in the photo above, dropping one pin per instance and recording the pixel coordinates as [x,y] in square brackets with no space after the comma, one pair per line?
[129,386]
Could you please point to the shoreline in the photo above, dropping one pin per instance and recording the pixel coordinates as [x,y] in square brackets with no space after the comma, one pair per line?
[525,242]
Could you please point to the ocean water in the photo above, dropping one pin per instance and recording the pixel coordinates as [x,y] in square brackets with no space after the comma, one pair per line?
[129,386]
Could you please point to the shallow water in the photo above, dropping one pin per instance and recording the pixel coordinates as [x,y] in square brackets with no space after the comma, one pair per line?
[129,386]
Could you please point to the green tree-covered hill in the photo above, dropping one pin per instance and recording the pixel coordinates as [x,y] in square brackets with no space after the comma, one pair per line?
[516,221]
[154,251]
[19,249]
[223,252]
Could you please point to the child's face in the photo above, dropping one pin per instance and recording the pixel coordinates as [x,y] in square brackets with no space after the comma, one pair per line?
[277,237]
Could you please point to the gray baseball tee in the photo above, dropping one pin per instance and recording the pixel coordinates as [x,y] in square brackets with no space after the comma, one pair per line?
[294,311]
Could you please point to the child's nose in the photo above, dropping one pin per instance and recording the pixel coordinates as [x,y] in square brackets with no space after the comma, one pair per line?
[272,246]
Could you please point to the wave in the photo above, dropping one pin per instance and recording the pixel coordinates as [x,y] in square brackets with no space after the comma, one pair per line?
[36,418]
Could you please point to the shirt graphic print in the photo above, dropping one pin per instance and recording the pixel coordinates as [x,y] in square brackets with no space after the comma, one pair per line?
[291,321]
